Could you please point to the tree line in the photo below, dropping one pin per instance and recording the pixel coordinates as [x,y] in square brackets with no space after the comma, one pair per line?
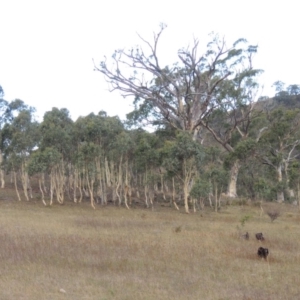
[213,135]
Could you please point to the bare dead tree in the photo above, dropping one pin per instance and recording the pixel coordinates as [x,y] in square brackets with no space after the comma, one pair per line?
[186,92]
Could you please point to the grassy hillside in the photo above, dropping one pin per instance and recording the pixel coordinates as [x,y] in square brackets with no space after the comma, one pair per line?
[74,252]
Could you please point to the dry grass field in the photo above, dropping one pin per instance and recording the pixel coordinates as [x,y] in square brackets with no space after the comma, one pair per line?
[75,252]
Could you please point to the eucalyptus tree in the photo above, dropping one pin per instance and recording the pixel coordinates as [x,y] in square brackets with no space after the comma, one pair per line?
[188,92]
[218,178]
[182,158]
[123,151]
[110,129]
[200,190]
[8,110]
[147,163]
[231,124]
[279,145]
[279,86]
[87,138]
[56,134]
[293,89]
[20,138]
[87,156]
[294,179]
[102,131]
[45,161]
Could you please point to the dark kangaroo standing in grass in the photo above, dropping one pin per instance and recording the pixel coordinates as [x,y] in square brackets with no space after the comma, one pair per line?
[263,252]
[260,237]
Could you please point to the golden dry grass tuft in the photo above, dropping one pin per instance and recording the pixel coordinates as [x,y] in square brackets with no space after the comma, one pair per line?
[74,252]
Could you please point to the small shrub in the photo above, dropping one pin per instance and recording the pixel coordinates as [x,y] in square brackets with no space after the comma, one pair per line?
[244,220]
[178,229]
[274,214]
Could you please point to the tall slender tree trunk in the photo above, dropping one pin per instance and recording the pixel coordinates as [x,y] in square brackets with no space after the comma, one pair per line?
[51,186]
[24,180]
[280,194]
[126,187]
[186,195]
[231,191]
[44,183]
[290,192]
[119,181]
[104,187]
[188,171]
[16,185]
[174,193]
[42,192]
[298,195]
[99,178]
[113,181]
[216,198]
[90,184]
[2,179]
[75,185]
[107,173]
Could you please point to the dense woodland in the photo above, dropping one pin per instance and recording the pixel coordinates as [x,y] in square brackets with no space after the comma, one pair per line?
[214,138]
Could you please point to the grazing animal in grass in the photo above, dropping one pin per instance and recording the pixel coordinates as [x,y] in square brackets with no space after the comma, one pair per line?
[260,237]
[263,252]
[245,236]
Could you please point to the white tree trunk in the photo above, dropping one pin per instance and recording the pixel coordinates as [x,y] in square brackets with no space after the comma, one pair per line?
[42,192]
[186,195]
[2,172]
[174,194]
[280,194]
[231,191]
[24,180]
[16,185]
